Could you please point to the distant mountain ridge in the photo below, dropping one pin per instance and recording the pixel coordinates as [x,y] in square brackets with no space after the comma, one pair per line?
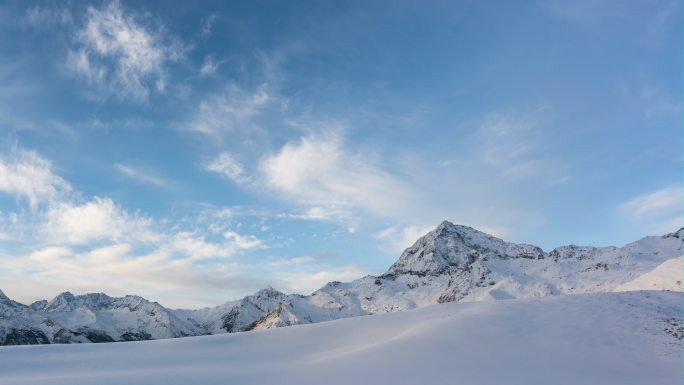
[449,264]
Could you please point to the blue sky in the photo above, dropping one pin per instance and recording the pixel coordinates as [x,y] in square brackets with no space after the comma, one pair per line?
[193,154]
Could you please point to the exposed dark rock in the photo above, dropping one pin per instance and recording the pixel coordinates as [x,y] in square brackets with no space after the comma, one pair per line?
[25,337]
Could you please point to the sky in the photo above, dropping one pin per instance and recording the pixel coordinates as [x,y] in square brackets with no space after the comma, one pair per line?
[193,153]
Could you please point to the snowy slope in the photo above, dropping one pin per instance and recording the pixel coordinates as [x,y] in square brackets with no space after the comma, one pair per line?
[666,276]
[449,264]
[608,338]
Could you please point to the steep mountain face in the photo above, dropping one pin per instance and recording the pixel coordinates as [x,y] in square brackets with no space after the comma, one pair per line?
[451,247]
[235,316]
[17,324]
[449,264]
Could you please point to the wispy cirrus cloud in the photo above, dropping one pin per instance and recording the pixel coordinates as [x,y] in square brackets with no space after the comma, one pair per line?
[227,166]
[27,175]
[230,111]
[514,145]
[119,53]
[399,238]
[61,216]
[48,16]
[141,175]
[208,25]
[304,275]
[198,248]
[659,211]
[209,66]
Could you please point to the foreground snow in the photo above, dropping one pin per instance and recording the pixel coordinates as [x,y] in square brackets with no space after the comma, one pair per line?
[607,338]
[666,276]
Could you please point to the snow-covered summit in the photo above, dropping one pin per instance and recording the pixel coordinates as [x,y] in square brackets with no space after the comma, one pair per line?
[456,246]
[62,302]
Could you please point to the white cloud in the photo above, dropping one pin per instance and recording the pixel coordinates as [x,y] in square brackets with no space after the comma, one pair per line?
[318,213]
[50,253]
[209,67]
[243,242]
[118,269]
[517,147]
[99,219]
[295,261]
[230,111]
[58,213]
[216,220]
[79,62]
[667,200]
[659,103]
[509,144]
[144,176]
[97,245]
[228,167]
[48,17]
[174,268]
[307,281]
[398,239]
[120,53]
[208,24]
[4,236]
[320,172]
[197,248]
[659,210]
[27,175]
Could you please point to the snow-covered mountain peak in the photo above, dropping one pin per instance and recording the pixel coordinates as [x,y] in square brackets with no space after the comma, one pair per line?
[446,228]
[444,247]
[268,292]
[61,302]
[452,246]
[93,301]
[3,296]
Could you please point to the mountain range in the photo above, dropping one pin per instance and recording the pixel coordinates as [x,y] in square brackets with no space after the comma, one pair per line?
[452,263]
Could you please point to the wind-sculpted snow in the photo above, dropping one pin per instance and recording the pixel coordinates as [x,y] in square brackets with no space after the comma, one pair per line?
[607,338]
[449,264]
